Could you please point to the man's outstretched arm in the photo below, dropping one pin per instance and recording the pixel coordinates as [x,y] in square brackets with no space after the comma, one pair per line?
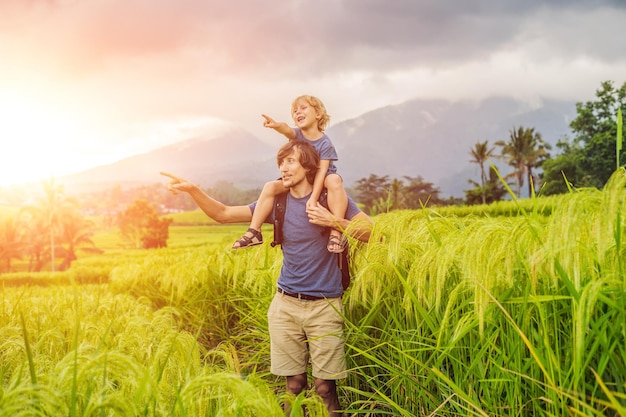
[216,210]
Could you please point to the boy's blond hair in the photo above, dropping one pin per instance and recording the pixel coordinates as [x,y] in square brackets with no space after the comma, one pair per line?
[317,104]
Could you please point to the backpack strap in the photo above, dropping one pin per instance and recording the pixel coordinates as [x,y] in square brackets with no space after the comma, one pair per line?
[280,204]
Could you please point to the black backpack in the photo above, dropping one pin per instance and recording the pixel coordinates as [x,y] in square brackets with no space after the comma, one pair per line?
[343,258]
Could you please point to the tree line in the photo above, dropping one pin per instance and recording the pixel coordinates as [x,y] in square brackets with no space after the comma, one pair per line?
[586,160]
[55,227]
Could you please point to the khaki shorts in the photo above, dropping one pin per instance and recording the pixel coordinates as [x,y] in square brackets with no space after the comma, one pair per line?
[301,329]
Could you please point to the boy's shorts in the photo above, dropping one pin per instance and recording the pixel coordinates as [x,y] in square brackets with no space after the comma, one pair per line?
[301,330]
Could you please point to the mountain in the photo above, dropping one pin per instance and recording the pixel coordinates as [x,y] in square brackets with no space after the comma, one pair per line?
[432,139]
[234,155]
[427,138]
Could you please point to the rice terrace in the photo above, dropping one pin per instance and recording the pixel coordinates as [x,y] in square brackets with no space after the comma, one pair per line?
[512,308]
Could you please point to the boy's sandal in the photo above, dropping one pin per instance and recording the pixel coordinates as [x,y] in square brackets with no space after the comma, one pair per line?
[246,241]
[335,241]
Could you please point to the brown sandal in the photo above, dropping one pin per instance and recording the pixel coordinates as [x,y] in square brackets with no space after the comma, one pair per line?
[247,241]
[335,240]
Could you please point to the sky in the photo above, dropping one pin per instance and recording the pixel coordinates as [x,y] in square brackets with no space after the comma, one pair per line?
[88,82]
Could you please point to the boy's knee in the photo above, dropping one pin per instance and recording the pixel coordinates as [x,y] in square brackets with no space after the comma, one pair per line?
[272,188]
[333,181]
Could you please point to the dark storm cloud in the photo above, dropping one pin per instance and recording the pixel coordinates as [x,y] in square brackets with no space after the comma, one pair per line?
[446,31]
[290,38]
[330,36]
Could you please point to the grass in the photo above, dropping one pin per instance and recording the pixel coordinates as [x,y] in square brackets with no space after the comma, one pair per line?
[449,313]
[480,315]
[190,218]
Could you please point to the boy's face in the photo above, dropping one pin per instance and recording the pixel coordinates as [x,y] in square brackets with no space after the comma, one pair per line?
[304,115]
[291,170]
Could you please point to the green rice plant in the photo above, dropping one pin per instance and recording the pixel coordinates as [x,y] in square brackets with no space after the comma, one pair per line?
[476,314]
[225,395]
[27,401]
[218,294]
[539,205]
[518,309]
[103,381]
[97,353]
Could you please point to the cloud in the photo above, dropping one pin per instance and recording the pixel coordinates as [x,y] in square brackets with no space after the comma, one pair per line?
[273,40]
[137,62]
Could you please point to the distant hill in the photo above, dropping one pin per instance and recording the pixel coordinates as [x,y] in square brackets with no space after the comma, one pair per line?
[234,155]
[433,139]
[427,138]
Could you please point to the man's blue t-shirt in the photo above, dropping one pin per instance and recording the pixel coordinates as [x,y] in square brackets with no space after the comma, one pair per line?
[308,267]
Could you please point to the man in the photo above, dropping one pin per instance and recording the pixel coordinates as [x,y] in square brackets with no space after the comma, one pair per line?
[304,317]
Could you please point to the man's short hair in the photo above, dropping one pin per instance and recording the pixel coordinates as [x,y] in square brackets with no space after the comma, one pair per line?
[306,154]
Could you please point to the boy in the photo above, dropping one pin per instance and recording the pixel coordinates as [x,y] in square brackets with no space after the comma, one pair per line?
[310,117]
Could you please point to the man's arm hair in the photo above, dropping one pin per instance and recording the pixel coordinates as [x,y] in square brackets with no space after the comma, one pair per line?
[216,210]
[358,226]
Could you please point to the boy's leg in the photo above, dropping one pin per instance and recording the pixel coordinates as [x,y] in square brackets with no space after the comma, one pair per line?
[263,208]
[338,204]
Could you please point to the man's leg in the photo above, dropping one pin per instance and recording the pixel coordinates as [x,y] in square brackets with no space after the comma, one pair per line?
[327,390]
[295,385]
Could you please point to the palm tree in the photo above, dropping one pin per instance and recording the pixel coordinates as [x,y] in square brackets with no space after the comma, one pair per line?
[535,157]
[36,237]
[397,194]
[524,151]
[11,242]
[76,233]
[493,190]
[45,216]
[480,154]
[50,205]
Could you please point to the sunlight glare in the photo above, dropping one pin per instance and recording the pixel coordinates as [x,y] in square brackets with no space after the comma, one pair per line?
[36,139]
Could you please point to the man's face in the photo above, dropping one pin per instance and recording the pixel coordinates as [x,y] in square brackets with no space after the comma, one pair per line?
[292,172]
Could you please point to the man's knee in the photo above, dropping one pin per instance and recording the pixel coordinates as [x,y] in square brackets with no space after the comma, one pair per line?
[296,384]
[326,388]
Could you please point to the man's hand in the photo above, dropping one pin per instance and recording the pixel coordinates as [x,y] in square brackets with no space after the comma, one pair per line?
[178,184]
[320,216]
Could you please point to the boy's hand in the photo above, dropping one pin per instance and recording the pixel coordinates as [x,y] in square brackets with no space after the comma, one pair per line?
[311,203]
[269,122]
[281,127]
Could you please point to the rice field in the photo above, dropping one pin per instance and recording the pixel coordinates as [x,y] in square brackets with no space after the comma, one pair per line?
[513,309]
